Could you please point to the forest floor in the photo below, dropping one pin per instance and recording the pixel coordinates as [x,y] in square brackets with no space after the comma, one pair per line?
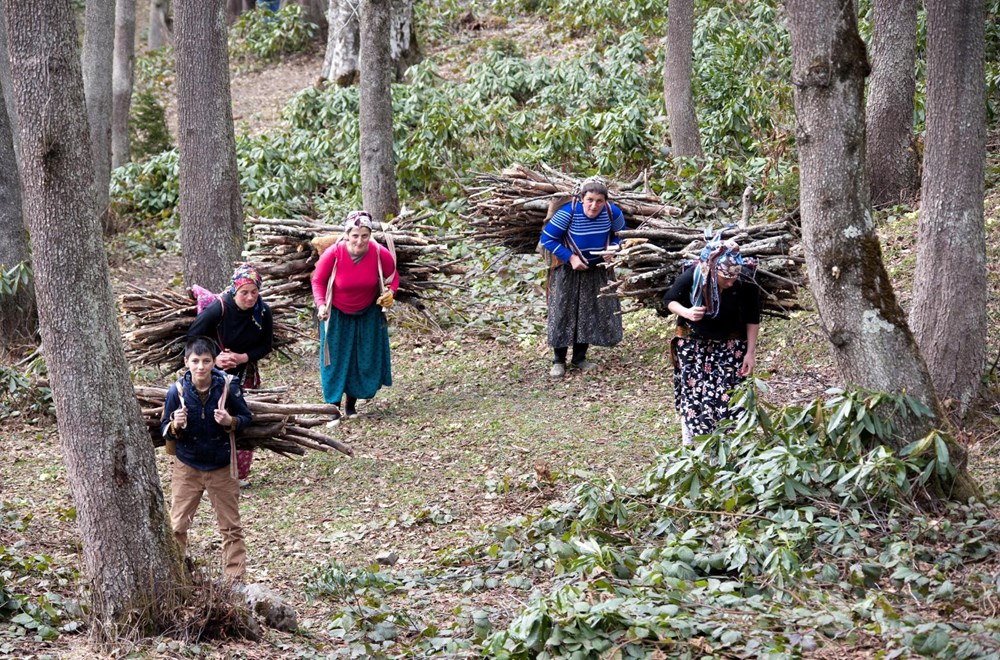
[473,433]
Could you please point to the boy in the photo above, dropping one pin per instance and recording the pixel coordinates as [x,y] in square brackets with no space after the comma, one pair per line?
[200,422]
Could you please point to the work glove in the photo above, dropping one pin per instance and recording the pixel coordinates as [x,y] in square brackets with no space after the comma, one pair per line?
[385,300]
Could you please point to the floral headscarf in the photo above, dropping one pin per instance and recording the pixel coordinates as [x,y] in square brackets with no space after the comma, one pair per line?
[247,274]
[358,219]
[717,256]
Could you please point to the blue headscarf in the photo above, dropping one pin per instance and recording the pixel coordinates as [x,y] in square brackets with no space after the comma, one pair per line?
[715,256]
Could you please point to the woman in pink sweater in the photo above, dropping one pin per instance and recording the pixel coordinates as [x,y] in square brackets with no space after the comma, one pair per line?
[350,298]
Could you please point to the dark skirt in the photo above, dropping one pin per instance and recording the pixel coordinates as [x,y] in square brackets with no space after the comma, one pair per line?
[706,370]
[576,314]
[359,354]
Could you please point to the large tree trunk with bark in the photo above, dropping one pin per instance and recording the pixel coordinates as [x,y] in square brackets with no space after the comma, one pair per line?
[891,156]
[122,79]
[378,171]
[18,316]
[343,44]
[684,138]
[134,566]
[158,35]
[872,344]
[98,56]
[948,315]
[210,206]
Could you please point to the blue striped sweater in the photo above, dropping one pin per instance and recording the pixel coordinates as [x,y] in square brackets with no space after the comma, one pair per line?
[589,234]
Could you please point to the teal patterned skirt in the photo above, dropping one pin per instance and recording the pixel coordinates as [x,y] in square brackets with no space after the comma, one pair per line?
[359,354]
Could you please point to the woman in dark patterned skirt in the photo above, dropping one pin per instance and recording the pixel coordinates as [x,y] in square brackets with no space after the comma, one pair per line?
[576,235]
[718,316]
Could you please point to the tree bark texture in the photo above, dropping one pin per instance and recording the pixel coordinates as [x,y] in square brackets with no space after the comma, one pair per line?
[378,170]
[18,315]
[122,80]
[872,343]
[8,88]
[98,56]
[341,62]
[158,34]
[210,206]
[684,138]
[133,564]
[948,315]
[343,43]
[891,156]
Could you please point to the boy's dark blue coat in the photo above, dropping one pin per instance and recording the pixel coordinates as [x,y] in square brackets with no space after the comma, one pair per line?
[204,445]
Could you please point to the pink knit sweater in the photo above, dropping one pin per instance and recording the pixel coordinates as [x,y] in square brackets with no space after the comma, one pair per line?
[355,286]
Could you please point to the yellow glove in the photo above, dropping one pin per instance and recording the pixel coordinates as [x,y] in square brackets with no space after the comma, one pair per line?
[385,300]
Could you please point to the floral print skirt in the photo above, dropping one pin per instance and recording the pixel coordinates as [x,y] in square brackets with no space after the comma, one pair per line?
[706,370]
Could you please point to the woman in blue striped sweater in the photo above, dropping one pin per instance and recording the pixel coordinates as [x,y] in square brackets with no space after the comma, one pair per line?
[577,234]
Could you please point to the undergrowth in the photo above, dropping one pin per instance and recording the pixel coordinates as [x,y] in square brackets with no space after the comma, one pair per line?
[787,531]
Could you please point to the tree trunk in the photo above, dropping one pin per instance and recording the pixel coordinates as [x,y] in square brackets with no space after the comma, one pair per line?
[18,315]
[343,43]
[378,171]
[403,48]
[684,138]
[124,66]
[872,344]
[891,156]
[341,61]
[8,89]
[948,315]
[158,34]
[210,207]
[98,56]
[133,565]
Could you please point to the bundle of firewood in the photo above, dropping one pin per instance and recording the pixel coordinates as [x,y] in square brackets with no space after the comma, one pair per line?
[159,321]
[509,209]
[282,249]
[650,259]
[284,428]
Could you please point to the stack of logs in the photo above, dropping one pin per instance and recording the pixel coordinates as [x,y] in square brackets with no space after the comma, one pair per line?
[282,250]
[284,428]
[651,259]
[160,320]
[509,209]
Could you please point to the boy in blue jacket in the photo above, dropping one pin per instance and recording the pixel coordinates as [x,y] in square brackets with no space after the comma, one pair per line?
[202,412]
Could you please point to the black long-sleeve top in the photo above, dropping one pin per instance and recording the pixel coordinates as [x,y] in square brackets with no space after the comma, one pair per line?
[739,305]
[235,329]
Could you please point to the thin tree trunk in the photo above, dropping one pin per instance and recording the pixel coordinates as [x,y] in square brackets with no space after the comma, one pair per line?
[684,138]
[8,89]
[891,156]
[948,315]
[18,315]
[210,206]
[98,58]
[403,47]
[872,344]
[158,34]
[342,45]
[133,565]
[124,66]
[378,171]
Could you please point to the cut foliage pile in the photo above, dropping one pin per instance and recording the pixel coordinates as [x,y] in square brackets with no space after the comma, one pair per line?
[284,428]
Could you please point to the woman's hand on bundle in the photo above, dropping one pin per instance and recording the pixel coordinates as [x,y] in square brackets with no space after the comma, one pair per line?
[386,300]
[180,418]
[577,263]
[323,312]
[694,313]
